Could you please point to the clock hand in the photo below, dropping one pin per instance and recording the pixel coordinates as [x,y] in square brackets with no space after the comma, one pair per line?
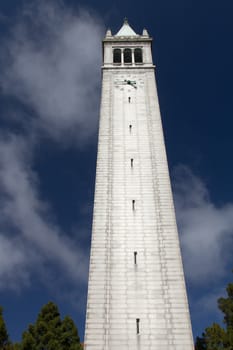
[130,82]
[126,82]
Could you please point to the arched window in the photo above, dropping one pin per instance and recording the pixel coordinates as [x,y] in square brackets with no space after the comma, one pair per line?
[117,56]
[138,55]
[127,56]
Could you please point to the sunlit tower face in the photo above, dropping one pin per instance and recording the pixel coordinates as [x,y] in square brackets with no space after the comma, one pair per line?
[136,293]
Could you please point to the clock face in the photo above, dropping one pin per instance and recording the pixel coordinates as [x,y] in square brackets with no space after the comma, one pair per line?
[128,82]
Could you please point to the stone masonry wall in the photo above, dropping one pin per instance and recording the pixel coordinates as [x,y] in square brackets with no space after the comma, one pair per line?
[136,295]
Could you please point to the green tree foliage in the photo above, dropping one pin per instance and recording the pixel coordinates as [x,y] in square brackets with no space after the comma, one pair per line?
[4,338]
[200,344]
[215,337]
[50,332]
[226,306]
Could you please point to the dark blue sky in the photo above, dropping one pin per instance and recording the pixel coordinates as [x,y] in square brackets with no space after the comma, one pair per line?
[193,53]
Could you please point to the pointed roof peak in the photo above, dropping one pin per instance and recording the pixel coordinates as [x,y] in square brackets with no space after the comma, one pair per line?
[126,30]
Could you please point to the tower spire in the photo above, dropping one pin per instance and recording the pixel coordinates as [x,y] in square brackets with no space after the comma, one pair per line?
[126,30]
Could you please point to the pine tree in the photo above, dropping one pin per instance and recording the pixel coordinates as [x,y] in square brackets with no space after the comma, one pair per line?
[69,335]
[200,344]
[216,337]
[226,306]
[4,338]
[50,332]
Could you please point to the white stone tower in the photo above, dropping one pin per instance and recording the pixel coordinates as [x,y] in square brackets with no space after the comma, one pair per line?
[136,293]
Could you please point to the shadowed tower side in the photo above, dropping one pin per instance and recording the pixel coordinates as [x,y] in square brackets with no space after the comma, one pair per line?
[136,292]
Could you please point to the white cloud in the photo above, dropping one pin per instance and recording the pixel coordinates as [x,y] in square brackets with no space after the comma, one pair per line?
[13,262]
[29,238]
[206,230]
[52,64]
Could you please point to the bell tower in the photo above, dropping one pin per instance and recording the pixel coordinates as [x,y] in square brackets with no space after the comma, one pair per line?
[136,291]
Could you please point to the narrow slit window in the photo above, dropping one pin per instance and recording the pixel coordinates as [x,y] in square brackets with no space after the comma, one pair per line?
[131,162]
[130,128]
[135,258]
[138,325]
[133,204]
[127,56]
[138,55]
[129,99]
[117,56]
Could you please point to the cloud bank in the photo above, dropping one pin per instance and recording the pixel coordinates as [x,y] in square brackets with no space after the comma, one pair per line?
[51,66]
[30,240]
[206,231]
[51,63]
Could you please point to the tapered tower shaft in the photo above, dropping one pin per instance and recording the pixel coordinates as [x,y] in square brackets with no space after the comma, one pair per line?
[136,293]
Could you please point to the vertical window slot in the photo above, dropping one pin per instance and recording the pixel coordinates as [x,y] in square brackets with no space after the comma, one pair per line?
[129,99]
[135,258]
[130,128]
[138,325]
[133,204]
[131,162]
